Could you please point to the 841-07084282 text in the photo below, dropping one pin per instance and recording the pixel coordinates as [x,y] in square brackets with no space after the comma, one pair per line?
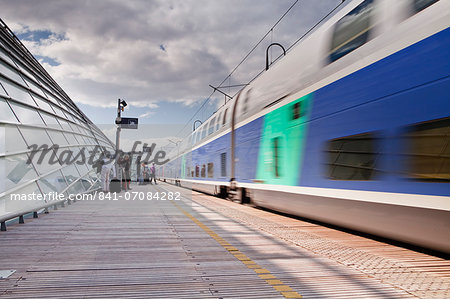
[140,196]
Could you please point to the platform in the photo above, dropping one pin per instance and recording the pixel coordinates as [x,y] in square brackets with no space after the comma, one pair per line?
[203,247]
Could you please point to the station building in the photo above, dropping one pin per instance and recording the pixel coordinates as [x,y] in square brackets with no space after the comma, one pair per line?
[34,110]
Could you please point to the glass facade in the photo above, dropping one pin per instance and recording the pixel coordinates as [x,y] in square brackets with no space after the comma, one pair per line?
[34,110]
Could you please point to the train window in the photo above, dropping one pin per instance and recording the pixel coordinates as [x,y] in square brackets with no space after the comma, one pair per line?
[353,157]
[210,170]
[204,131]
[428,150]
[203,172]
[276,156]
[420,5]
[218,121]
[224,121]
[197,171]
[245,108]
[352,31]
[223,164]
[246,99]
[297,110]
[211,126]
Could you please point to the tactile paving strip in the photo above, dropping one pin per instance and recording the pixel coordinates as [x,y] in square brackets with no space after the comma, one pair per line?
[416,282]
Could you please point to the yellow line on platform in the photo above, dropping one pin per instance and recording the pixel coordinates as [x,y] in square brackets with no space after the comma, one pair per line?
[285,290]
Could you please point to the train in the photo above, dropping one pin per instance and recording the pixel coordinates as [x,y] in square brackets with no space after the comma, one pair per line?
[351,127]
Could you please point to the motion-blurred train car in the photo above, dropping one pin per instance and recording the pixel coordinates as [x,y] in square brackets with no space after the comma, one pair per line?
[351,127]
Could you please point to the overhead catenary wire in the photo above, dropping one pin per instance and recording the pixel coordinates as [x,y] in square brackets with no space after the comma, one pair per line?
[255,47]
[314,27]
[259,42]
[299,39]
[240,63]
[198,110]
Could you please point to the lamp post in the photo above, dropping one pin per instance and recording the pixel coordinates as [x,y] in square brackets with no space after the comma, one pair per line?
[267,53]
[121,104]
[193,129]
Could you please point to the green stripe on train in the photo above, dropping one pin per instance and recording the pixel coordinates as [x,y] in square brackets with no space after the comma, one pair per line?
[282,143]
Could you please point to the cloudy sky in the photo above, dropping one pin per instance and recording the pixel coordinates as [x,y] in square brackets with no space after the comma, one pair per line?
[158,55]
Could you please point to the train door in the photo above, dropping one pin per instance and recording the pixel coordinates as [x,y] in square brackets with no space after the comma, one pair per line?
[281,148]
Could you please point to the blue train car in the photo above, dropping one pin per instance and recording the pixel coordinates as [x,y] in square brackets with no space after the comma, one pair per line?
[352,127]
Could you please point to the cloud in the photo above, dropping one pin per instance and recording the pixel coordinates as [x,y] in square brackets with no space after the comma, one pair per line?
[152,51]
[151,105]
[146,114]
